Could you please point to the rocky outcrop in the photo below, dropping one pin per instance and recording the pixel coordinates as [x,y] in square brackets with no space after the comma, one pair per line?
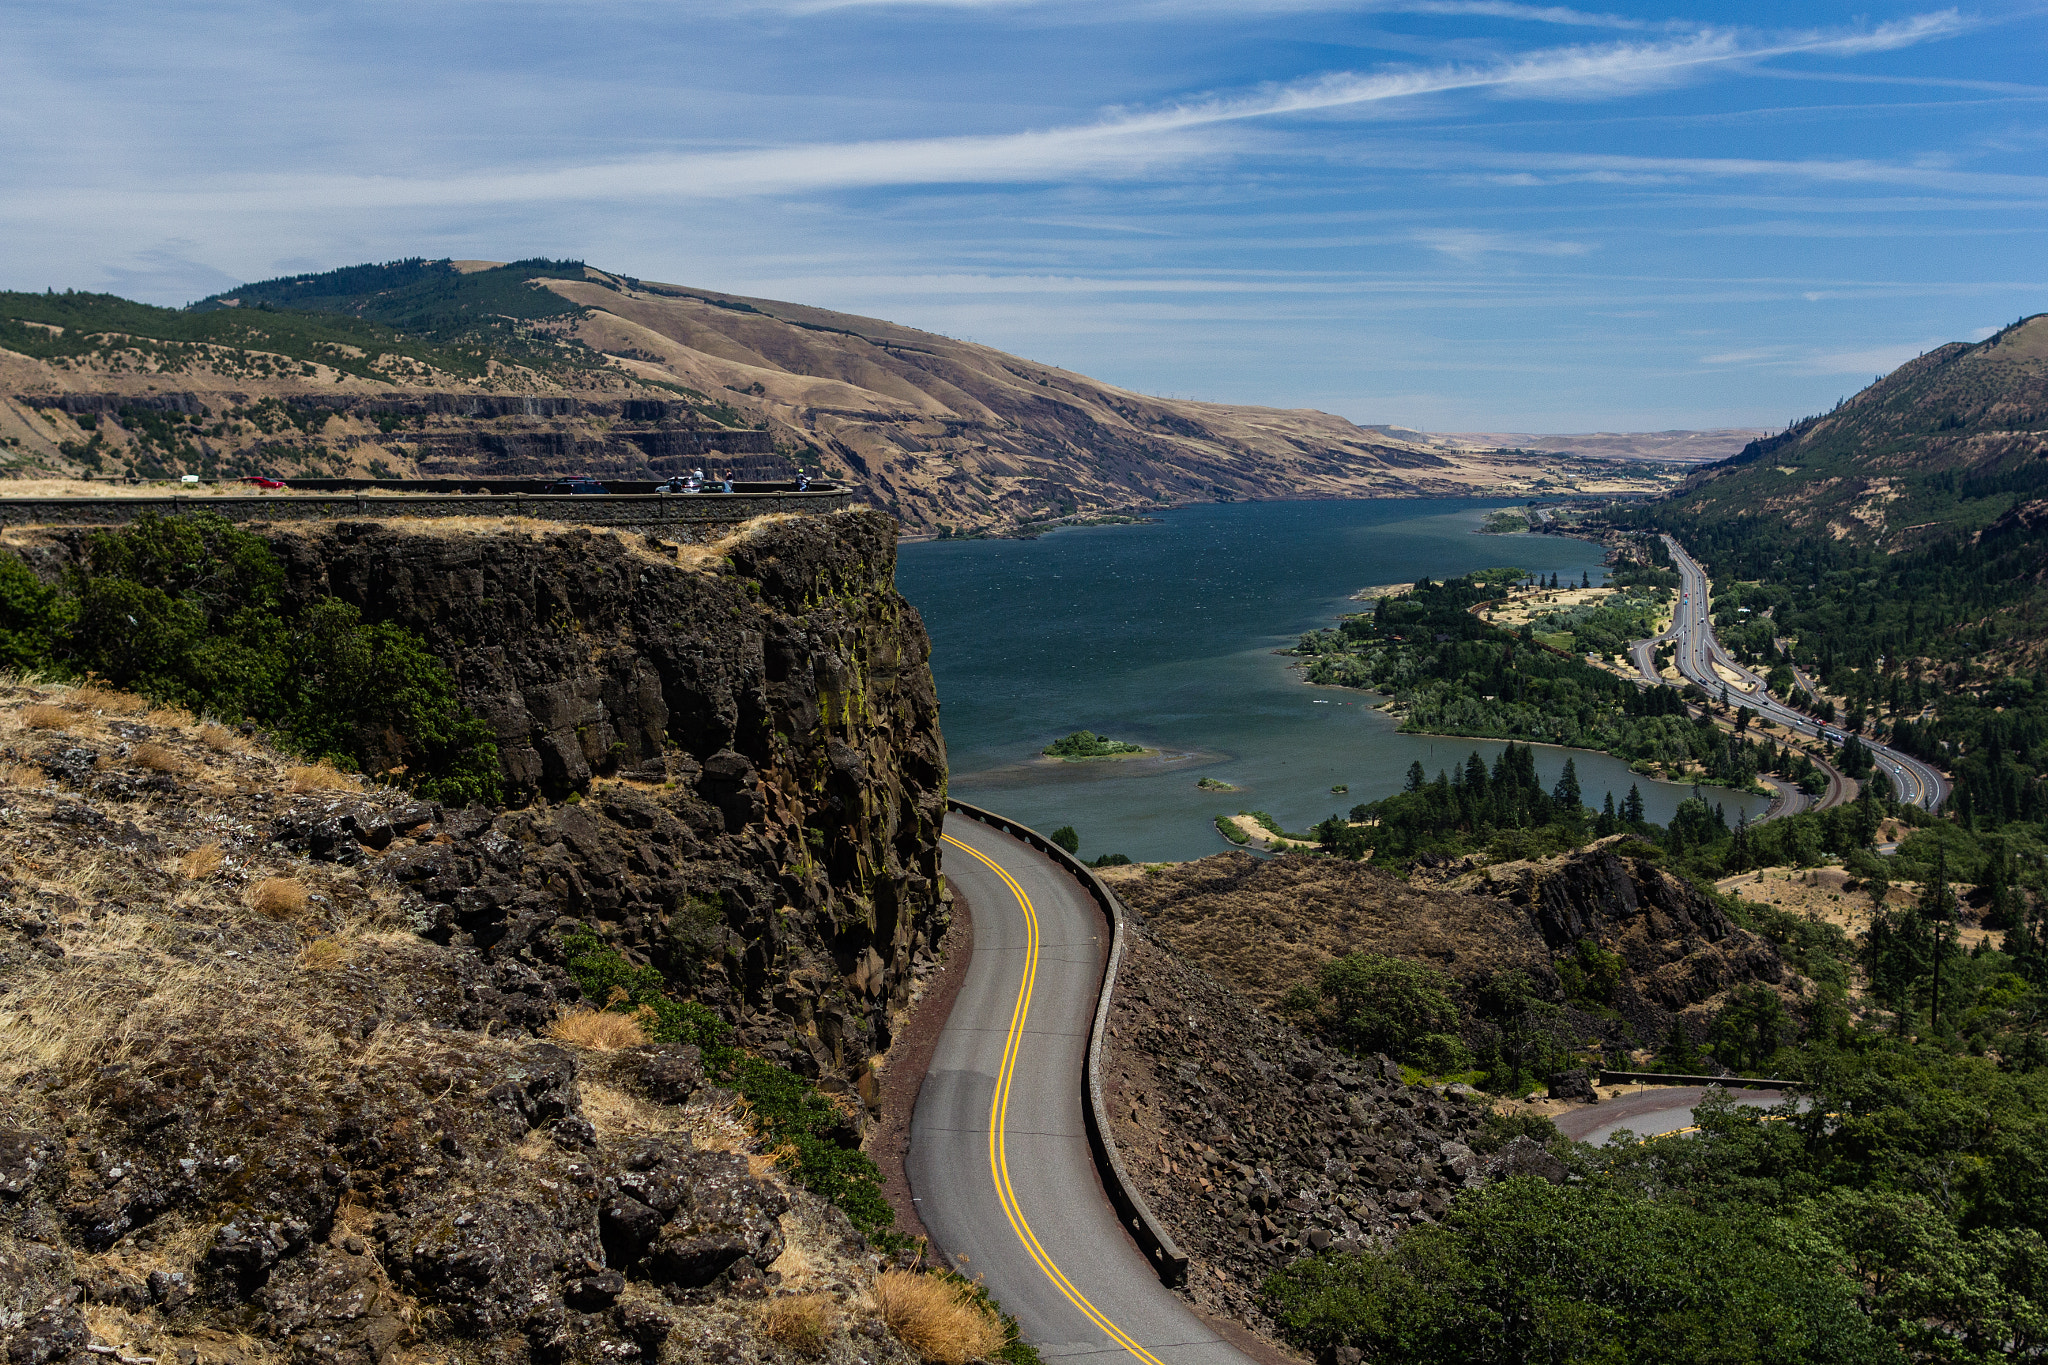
[1257,1145]
[772,846]
[249,1115]
[724,759]
[1679,949]
[1265,925]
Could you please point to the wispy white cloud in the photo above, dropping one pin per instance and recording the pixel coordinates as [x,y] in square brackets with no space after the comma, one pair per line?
[1473,244]
[1866,360]
[1561,15]
[1123,143]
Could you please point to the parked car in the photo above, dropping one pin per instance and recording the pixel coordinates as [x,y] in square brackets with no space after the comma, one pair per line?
[577,485]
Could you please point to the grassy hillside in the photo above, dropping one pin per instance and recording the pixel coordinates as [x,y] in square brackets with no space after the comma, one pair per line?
[382,367]
[1945,444]
[75,329]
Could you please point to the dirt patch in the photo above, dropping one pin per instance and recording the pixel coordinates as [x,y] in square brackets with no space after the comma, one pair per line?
[1265,925]
[1822,893]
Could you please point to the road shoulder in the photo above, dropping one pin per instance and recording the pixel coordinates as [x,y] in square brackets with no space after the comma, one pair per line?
[904,1070]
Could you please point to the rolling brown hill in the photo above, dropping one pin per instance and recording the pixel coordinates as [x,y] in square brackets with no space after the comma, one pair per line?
[473,368]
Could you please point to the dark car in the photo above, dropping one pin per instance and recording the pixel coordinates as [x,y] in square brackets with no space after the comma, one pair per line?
[577,485]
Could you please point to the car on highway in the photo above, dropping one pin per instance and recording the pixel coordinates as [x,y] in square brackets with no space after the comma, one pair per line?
[577,484]
[261,482]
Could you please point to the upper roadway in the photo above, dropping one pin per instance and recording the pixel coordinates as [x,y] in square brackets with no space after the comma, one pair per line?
[1698,651]
[999,1160]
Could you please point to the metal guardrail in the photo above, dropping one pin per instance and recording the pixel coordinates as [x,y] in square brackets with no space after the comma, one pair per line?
[1152,1238]
[1725,1082]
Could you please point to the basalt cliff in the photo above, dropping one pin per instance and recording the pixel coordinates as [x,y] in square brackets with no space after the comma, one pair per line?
[296,1067]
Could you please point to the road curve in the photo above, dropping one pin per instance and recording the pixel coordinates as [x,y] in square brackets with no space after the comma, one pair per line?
[999,1159]
[1917,783]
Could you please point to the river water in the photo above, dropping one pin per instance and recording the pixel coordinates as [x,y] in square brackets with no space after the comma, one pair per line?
[1163,634]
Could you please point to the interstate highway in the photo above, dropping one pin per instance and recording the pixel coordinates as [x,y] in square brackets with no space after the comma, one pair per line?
[1697,651]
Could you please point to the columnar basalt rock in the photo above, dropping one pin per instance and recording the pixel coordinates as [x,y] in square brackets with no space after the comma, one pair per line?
[733,767]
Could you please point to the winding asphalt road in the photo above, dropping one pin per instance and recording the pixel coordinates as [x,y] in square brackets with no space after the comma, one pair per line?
[999,1161]
[1698,651]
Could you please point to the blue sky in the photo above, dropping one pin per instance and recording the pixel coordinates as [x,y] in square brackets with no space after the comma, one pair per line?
[1453,214]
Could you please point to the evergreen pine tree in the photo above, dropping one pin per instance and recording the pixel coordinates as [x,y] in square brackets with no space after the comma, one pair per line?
[1632,805]
[1566,793]
[1937,908]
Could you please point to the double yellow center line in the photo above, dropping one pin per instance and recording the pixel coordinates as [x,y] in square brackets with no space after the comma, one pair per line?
[998,1114]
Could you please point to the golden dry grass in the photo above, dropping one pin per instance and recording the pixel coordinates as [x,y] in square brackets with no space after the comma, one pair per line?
[325,954]
[617,1115]
[278,897]
[47,717]
[202,862]
[598,1030]
[23,775]
[117,1327]
[221,740]
[805,1323]
[321,776]
[936,1318]
[159,758]
[95,697]
[111,1003]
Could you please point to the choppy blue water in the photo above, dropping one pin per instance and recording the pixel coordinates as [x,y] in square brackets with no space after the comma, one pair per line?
[1164,634]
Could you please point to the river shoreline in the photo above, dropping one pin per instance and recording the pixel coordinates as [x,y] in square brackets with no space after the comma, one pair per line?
[1165,635]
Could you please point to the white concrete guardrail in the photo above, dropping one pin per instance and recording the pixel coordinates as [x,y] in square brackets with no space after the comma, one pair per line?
[1152,1238]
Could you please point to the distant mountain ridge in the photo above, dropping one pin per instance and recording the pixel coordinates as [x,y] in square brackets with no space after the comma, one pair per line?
[1671,447]
[1944,445]
[387,368]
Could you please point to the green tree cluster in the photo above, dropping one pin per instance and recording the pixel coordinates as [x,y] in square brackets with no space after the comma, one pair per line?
[189,610]
[1452,673]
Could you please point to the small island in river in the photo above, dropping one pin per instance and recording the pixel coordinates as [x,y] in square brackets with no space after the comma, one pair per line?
[1086,744]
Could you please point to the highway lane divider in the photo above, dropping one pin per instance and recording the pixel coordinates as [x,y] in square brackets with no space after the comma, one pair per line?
[1158,1246]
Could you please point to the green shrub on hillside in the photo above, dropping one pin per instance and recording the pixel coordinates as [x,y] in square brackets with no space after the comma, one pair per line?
[188,611]
[1527,1271]
[1374,1003]
[791,1113]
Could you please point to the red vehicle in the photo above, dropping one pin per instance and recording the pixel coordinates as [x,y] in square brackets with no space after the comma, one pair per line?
[262,482]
